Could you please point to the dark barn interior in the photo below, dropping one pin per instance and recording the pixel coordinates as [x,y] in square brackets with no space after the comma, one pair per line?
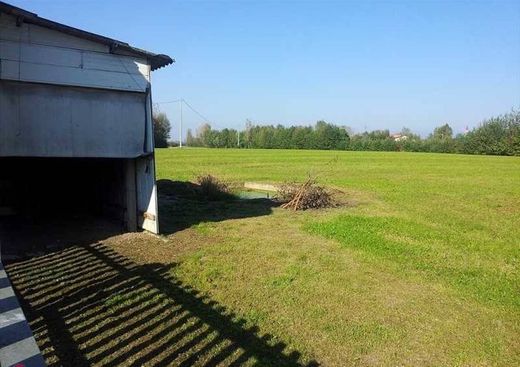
[54,202]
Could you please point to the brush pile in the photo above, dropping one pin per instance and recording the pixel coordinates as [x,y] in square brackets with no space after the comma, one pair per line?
[308,195]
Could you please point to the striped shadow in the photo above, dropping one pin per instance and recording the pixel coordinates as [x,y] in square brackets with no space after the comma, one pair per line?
[17,345]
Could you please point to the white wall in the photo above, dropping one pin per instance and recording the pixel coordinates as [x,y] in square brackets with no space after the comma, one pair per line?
[38,120]
[29,33]
[35,54]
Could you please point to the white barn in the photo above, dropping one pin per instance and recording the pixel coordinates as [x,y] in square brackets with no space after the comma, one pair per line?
[76,127]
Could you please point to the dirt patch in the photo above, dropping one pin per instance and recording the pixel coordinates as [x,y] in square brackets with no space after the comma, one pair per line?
[146,248]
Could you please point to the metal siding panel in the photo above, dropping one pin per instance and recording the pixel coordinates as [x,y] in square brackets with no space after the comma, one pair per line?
[9,50]
[53,65]
[81,77]
[38,54]
[101,113]
[42,125]
[120,64]
[9,69]
[9,30]
[40,35]
[52,121]
[51,37]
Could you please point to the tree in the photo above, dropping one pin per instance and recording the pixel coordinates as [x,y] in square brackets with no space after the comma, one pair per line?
[444,132]
[204,135]
[191,141]
[410,135]
[441,140]
[498,136]
[161,130]
[328,136]
[301,137]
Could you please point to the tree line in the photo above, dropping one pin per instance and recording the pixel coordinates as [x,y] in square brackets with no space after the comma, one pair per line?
[320,136]
[496,136]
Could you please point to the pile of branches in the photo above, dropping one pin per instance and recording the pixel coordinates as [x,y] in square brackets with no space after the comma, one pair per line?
[308,195]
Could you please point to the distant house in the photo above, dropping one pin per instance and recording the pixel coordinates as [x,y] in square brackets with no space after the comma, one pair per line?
[399,137]
[75,122]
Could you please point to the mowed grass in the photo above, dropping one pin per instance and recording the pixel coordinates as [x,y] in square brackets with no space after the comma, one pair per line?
[422,268]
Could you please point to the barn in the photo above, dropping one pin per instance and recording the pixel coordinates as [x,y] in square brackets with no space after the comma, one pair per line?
[76,131]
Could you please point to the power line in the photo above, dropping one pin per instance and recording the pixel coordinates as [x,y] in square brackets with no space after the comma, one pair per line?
[198,113]
[182,100]
[166,102]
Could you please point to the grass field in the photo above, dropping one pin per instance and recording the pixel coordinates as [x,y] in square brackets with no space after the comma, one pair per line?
[422,268]
[419,267]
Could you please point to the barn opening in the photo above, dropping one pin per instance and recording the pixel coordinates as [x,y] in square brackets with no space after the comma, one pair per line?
[47,203]
[64,187]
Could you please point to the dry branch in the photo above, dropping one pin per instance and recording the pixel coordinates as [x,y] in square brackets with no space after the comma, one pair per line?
[308,195]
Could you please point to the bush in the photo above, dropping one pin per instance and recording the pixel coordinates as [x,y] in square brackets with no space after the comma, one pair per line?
[211,188]
[496,136]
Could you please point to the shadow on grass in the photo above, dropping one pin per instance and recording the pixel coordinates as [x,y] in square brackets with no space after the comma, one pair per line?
[88,305]
[181,206]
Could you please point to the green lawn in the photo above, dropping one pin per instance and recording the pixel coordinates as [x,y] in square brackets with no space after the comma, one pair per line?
[421,268]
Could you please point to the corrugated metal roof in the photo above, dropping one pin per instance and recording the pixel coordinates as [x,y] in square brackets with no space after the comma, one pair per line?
[156,60]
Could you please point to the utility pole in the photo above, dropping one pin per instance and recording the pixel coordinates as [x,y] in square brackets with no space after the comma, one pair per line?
[180,126]
[238,138]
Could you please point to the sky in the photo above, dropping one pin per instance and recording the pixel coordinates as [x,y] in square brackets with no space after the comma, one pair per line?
[367,65]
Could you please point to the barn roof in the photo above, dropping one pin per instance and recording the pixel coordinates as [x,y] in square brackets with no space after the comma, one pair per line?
[23,16]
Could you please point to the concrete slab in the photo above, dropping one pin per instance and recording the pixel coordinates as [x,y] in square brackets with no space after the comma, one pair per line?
[16,353]
[17,345]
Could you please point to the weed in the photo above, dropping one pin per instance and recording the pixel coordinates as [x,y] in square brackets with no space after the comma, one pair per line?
[211,188]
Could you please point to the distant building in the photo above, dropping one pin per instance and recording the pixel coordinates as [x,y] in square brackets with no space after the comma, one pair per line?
[399,137]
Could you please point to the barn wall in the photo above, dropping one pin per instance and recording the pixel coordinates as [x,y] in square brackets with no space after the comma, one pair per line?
[64,96]
[147,194]
[30,33]
[146,186]
[34,54]
[52,121]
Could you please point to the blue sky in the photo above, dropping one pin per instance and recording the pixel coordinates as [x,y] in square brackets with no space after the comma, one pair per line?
[372,65]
